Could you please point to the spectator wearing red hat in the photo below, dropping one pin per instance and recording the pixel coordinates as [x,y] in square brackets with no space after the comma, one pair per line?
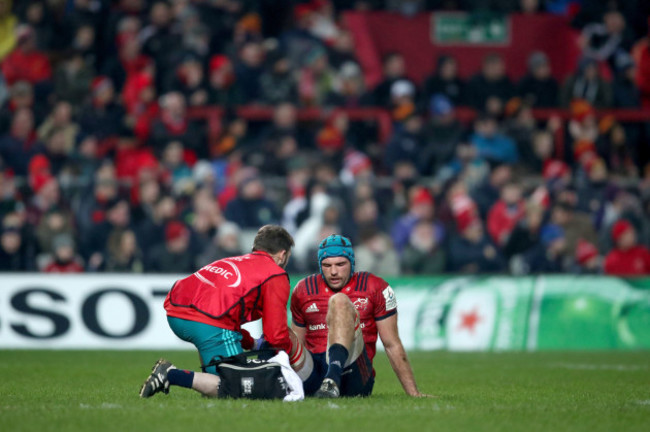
[587,259]
[593,193]
[175,255]
[628,258]
[47,196]
[223,89]
[505,214]
[129,60]
[421,208]
[25,62]
[140,102]
[190,81]
[470,250]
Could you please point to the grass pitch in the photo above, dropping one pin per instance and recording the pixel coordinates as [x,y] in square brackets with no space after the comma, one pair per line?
[98,391]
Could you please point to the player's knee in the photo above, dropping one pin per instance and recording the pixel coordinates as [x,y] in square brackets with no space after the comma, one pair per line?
[339,309]
[340,302]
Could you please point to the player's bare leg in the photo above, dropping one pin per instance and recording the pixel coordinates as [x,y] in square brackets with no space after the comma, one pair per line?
[341,316]
[164,374]
[341,324]
[206,384]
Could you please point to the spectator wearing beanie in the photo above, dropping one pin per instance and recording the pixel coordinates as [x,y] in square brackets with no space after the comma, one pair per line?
[470,251]
[64,258]
[223,88]
[443,133]
[587,259]
[627,258]
[421,208]
[175,256]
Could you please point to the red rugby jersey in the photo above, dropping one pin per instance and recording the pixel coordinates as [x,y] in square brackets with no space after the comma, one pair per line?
[232,291]
[371,296]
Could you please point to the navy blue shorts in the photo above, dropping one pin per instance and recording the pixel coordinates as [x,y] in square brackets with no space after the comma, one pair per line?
[356,380]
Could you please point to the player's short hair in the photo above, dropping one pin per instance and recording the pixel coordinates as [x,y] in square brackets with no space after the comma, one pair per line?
[272,239]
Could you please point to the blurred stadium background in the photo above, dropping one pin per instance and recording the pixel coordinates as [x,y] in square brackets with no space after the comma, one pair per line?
[489,158]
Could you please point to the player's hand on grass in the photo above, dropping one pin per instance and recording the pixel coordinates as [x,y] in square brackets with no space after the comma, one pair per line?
[419,394]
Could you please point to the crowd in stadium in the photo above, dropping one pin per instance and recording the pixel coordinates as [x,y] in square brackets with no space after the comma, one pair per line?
[102,167]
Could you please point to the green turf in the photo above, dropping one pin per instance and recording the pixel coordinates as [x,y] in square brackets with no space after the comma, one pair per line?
[98,391]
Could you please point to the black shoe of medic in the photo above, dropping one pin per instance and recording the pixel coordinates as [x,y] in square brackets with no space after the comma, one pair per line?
[328,390]
[157,381]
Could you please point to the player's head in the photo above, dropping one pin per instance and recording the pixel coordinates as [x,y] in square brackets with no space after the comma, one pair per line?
[336,260]
[276,241]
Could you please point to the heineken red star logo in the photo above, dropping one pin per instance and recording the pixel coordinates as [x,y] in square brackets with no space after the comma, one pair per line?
[468,320]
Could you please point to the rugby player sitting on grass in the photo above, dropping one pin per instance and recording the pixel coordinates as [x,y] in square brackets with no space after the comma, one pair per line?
[337,316]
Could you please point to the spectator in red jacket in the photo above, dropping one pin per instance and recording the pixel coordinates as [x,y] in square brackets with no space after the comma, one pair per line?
[25,62]
[505,214]
[627,258]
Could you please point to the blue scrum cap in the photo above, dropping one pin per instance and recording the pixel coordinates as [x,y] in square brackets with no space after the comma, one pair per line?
[335,246]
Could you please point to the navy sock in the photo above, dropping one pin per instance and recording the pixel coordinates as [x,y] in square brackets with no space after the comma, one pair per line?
[338,354]
[179,377]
